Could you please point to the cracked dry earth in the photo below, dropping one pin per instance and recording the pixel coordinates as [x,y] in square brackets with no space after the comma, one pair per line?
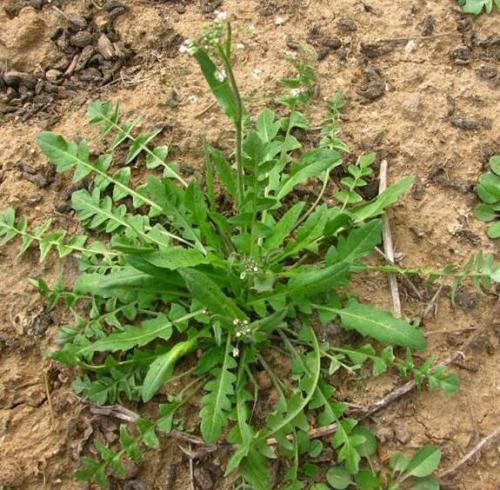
[422,88]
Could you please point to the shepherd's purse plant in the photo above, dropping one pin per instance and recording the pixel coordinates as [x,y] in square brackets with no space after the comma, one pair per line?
[237,286]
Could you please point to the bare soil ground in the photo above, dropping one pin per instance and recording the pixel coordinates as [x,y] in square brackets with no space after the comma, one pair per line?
[422,88]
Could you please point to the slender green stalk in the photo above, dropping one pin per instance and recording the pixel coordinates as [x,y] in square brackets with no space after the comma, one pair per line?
[315,203]
[238,121]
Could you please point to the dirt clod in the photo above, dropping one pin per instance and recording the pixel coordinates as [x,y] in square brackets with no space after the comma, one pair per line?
[465,298]
[374,86]
[208,6]
[374,50]
[77,23]
[17,78]
[488,72]
[461,56]
[264,380]
[412,107]
[203,478]
[53,75]
[180,8]
[428,26]
[384,433]
[401,432]
[105,47]
[347,25]
[81,39]
[470,123]
[332,42]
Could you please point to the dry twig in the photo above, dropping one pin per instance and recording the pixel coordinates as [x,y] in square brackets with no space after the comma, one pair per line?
[432,303]
[49,399]
[204,111]
[485,442]
[388,247]
[418,38]
[404,278]
[116,411]
[191,470]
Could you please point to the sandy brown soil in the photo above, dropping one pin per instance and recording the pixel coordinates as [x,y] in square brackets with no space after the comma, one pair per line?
[412,100]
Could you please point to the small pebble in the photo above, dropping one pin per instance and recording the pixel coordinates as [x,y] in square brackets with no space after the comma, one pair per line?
[81,39]
[347,25]
[53,75]
[401,432]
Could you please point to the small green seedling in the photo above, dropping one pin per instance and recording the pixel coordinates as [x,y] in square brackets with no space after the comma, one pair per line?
[414,473]
[418,469]
[476,7]
[488,191]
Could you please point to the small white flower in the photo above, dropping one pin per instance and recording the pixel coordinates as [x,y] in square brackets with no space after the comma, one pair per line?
[411,45]
[188,46]
[220,75]
[238,334]
[243,275]
[257,73]
[296,91]
[236,321]
[221,16]
[192,99]
[236,352]
[255,269]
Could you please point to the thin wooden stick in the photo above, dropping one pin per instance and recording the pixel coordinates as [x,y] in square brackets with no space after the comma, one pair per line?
[455,330]
[49,399]
[482,445]
[419,38]
[432,303]
[191,470]
[388,247]
[204,111]
[116,411]
[408,282]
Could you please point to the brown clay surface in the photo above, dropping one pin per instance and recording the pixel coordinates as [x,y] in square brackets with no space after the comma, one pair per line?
[409,101]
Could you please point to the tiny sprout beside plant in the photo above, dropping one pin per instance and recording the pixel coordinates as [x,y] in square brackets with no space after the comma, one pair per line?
[203,281]
[488,191]
[476,7]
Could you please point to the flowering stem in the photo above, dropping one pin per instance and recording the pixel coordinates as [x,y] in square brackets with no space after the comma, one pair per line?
[225,55]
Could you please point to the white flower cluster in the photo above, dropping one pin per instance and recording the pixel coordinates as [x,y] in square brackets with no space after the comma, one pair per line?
[242,327]
[250,267]
[188,46]
[212,36]
[221,16]
[297,91]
